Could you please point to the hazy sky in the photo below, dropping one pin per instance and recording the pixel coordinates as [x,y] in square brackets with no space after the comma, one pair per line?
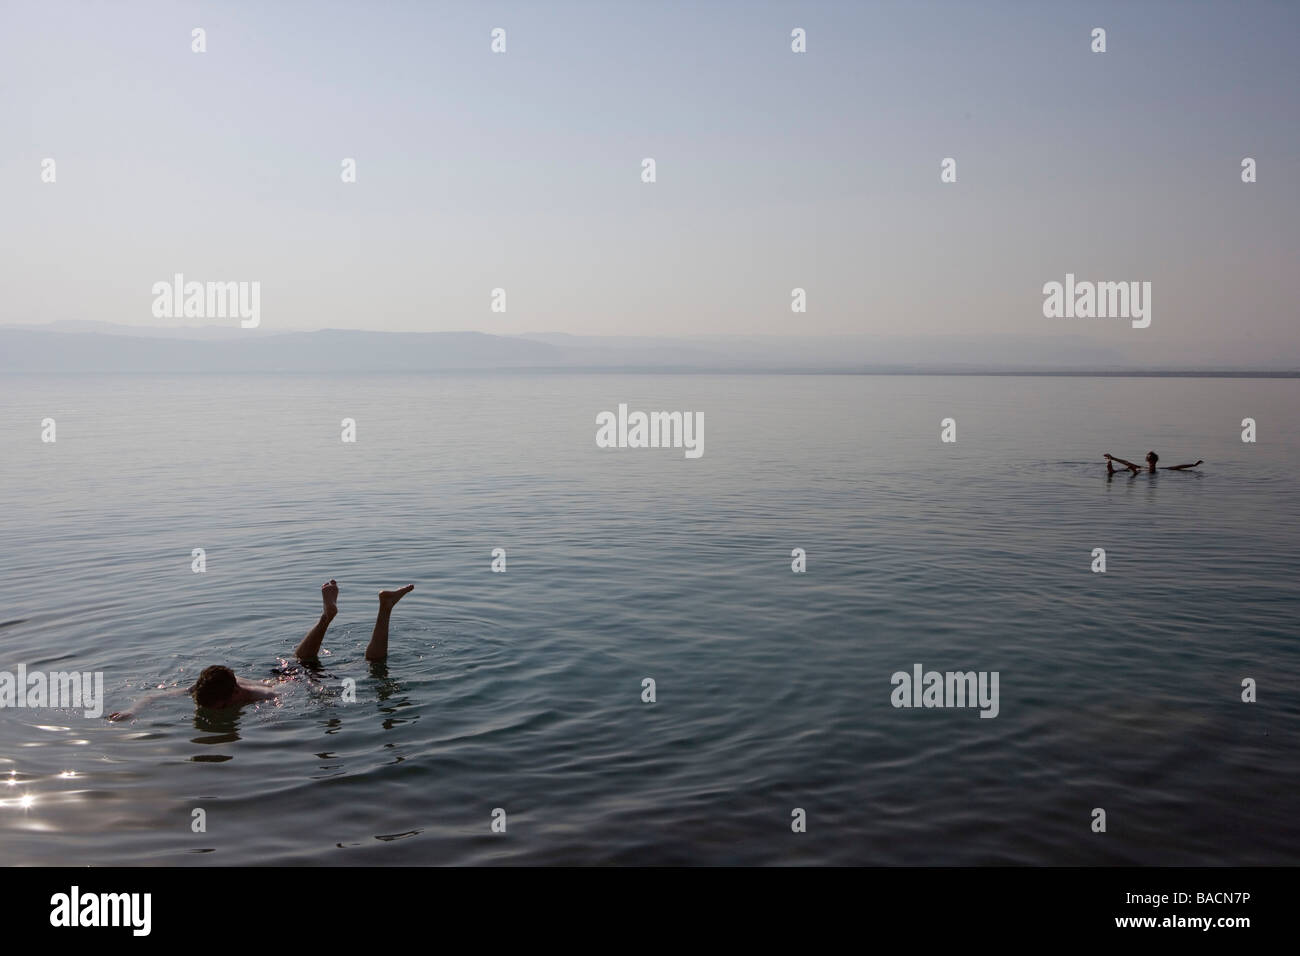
[522,170]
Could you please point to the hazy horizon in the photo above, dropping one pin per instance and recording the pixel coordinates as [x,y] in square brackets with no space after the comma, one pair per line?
[775,170]
[90,347]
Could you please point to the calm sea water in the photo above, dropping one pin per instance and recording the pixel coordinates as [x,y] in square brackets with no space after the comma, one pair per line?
[522,690]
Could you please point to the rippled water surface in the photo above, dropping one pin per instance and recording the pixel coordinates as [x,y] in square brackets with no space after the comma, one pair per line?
[522,690]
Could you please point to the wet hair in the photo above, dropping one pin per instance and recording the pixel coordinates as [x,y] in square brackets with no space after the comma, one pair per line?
[215,686]
[1152,457]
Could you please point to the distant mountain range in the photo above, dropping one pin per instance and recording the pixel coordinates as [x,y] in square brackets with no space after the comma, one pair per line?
[83,347]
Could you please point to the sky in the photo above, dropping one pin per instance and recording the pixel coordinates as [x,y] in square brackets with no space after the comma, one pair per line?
[775,170]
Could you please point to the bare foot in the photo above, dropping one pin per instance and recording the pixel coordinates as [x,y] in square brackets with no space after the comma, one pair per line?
[388,598]
[329,593]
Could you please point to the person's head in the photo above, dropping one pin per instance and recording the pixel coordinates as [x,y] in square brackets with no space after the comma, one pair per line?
[1152,458]
[215,686]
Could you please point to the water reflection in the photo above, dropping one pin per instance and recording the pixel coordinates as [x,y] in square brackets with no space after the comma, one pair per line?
[24,801]
[216,727]
[390,837]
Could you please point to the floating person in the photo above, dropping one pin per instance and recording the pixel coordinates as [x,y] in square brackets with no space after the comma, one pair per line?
[218,687]
[1151,460]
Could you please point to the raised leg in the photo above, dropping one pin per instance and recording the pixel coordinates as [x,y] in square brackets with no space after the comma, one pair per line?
[308,648]
[377,649]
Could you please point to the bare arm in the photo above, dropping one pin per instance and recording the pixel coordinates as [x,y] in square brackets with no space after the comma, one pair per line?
[144,702]
[1199,461]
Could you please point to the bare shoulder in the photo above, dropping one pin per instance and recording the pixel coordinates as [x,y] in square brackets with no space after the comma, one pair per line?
[258,689]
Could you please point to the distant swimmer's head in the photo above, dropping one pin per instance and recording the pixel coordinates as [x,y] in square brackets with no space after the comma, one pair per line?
[215,686]
[1152,458]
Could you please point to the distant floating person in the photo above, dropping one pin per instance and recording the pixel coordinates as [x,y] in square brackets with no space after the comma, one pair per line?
[1152,458]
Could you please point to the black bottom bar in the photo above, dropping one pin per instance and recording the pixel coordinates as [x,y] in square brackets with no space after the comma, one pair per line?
[190,905]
